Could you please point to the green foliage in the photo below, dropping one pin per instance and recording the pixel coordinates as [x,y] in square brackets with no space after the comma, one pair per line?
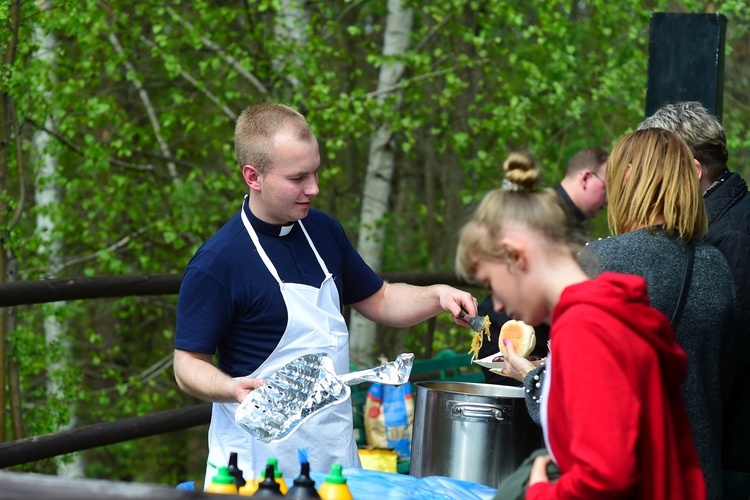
[143,183]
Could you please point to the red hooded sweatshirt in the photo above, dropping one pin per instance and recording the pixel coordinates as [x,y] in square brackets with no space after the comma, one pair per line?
[613,416]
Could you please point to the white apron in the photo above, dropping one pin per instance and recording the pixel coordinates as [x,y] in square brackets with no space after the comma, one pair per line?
[315,324]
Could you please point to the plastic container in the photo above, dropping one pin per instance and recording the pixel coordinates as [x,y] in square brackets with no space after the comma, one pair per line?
[249,489]
[235,471]
[278,475]
[334,487]
[251,486]
[269,488]
[222,483]
[304,486]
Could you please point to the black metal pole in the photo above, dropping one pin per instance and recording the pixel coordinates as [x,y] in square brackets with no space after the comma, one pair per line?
[94,287]
[83,438]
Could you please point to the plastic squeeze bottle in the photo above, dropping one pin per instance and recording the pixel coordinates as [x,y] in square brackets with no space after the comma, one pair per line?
[334,487]
[222,482]
[304,486]
[278,475]
[251,485]
[235,471]
[268,487]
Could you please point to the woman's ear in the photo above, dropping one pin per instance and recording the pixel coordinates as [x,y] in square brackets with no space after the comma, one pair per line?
[515,252]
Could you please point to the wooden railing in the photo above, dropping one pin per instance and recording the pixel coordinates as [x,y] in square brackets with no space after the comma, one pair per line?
[97,287]
[40,291]
[34,448]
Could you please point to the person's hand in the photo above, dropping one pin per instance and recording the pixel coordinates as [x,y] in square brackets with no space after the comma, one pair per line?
[516,367]
[245,385]
[454,301]
[539,470]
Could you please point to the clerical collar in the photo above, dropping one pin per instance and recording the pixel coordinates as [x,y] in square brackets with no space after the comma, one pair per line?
[266,228]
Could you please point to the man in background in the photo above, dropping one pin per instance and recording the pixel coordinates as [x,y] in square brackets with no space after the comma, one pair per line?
[583,191]
[728,206]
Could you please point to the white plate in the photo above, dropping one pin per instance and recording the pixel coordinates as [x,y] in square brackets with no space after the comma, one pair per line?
[499,365]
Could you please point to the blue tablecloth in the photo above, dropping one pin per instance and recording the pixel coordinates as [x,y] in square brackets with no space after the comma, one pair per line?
[367,484]
[375,485]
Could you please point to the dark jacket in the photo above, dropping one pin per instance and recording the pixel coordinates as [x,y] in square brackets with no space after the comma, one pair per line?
[575,217]
[708,319]
[728,208]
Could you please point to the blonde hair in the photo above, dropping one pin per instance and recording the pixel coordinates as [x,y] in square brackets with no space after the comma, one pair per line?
[652,181]
[256,127]
[522,202]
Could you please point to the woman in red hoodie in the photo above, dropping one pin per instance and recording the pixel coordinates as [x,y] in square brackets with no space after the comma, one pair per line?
[613,418]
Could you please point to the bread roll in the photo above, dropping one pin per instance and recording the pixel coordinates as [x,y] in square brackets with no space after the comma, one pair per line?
[521,335]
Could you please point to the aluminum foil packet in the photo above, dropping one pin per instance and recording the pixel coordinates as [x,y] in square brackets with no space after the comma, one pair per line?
[305,386]
[392,373]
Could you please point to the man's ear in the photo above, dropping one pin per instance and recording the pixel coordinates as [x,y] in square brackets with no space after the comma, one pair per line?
[585,176]
[698,168]
[251,176]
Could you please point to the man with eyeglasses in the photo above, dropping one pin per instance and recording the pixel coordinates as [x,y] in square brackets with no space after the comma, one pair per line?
[583,188]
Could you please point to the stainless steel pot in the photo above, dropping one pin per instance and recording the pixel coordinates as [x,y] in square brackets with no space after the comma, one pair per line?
[474,432]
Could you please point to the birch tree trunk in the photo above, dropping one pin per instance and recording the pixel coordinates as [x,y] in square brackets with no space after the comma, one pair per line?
[380,167]
[291,24]
[48,197]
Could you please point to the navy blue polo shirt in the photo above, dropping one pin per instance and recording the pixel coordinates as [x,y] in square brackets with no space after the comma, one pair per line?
[230,302]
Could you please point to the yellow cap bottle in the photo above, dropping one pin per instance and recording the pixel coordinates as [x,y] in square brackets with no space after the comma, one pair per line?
[334,487]
[251,486]
[222,482]
[277,475]
[268,487]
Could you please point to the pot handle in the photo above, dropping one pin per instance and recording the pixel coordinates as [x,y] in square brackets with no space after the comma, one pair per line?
[479,410]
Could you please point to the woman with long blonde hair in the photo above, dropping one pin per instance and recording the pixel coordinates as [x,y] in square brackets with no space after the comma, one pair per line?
[657,215]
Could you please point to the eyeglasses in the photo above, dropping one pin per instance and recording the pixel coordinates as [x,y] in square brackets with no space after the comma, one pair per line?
[604,184]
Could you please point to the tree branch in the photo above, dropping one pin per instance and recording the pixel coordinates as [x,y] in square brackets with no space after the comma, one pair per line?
[19,165]
[234,63]
[68,144]
[187,76]
[157,368]
[418,46]
[155,125]
[123,242]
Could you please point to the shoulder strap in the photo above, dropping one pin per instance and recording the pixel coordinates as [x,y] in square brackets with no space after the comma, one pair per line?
[677,314]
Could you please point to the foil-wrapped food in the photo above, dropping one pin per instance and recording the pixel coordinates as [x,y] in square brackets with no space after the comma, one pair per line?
[305,386]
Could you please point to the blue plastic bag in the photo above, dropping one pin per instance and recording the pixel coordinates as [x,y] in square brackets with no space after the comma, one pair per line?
[389,418]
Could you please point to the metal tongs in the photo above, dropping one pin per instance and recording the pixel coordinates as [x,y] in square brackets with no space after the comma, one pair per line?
[476,322]
[305,386]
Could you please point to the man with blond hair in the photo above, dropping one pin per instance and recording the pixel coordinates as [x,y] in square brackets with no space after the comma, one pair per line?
[269,287]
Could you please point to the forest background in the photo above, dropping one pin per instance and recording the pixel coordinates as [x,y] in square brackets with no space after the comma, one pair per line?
[116,157]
